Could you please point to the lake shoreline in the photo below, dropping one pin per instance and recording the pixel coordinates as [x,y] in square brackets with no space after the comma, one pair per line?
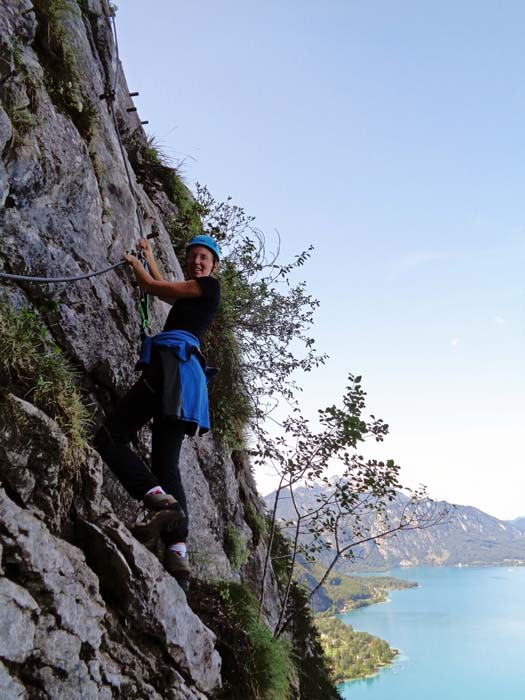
[356,655]
[458,618]
[382,667]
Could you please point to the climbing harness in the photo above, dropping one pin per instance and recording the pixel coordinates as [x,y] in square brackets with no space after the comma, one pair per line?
[145,329]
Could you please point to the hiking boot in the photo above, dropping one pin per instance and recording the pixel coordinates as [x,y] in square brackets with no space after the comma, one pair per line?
[159,501]
[179,568]
[161,522]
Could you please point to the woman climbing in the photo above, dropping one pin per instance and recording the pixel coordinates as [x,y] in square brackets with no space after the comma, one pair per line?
[172,391]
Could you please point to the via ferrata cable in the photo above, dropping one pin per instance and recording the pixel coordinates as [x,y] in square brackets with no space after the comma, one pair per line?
[50,280]
[144,302]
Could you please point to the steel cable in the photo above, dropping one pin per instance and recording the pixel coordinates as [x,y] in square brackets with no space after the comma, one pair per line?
[50,280]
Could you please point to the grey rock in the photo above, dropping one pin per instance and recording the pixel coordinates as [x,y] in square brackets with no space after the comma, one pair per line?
[75,618]
[252,575]
[10,688]
[136,581]
[6,133]
[74,211]
[56,568]
[220,475]
[205,543]
[58,649]
[17,628]
[76,685]
[33,455]
[130,576]
[37,466]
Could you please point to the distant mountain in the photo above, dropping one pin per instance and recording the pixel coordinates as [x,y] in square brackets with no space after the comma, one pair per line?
[468,537]
[518,522]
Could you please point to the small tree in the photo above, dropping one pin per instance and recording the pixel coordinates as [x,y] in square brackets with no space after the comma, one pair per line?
[349,511]
[262,321]
[254,340]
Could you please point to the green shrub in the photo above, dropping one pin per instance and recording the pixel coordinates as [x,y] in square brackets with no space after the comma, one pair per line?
[281,555]
[263,662]
[256,337]
[55,44]
[315,681]
[33,367]
[257,524]
[272,663]
[152,166]
[20,95]
[235,546]
[262,316]
[23,121]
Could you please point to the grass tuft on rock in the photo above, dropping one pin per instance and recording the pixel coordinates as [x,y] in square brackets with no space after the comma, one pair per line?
[56,44]
[257,524]
[255,665]
[235,546]
[34,368]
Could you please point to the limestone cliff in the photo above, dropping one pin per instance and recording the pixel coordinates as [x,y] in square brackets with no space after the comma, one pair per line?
[88,612]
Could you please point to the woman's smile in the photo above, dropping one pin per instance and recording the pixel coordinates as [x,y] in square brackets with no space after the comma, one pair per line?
[199,261]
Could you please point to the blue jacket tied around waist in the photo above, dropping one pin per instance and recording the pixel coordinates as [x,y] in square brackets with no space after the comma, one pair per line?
[184,392]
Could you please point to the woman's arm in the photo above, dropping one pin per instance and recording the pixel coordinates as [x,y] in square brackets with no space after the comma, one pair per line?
[148,254]
[169,291]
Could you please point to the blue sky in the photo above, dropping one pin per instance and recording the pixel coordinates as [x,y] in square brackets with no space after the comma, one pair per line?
[391,137]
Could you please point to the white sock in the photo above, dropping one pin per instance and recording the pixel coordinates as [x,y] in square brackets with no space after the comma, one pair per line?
[179,548]
[154,490]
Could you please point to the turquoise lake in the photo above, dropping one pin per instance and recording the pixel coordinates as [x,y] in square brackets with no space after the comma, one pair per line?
[461,636]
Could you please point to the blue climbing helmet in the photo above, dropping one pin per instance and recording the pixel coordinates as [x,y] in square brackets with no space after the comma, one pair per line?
[208,242]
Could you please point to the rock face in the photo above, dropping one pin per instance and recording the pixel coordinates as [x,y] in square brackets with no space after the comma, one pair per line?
[88,620]
[86,611]
[68,208]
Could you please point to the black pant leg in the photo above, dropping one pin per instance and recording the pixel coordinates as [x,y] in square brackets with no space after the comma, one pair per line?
[167,437]
[120,428]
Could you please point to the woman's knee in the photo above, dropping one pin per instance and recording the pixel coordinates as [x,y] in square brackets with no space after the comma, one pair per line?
[113,431]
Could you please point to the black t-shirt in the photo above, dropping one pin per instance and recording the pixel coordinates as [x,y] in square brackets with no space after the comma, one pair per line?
[195,315]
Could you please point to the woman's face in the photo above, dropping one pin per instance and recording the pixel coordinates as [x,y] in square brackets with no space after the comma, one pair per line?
[199,262]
